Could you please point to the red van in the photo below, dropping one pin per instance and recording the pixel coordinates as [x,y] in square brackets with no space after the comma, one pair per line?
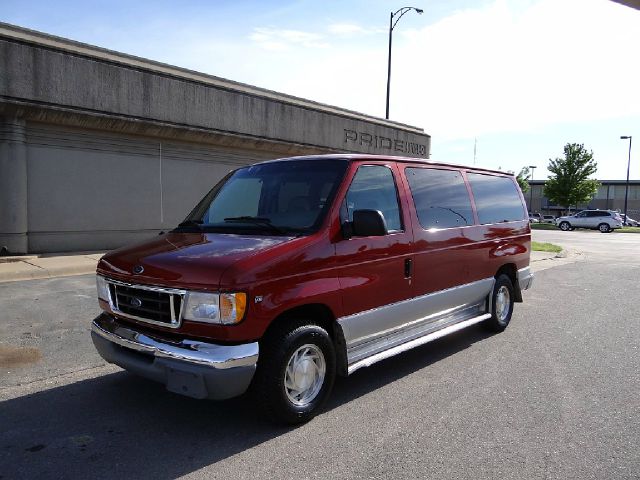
[292,271]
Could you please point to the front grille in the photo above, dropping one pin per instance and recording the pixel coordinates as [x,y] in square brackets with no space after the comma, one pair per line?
[148,304]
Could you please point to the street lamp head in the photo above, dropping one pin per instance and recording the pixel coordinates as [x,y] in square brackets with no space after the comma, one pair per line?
[625,137]
[419,10]
[532,166]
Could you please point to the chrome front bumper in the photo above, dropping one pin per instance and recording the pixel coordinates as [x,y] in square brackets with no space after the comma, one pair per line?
[193,368]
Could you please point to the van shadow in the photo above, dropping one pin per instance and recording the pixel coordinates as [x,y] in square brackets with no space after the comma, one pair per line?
[119,425]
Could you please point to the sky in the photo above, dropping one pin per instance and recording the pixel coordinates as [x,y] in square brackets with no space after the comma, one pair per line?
[517,79]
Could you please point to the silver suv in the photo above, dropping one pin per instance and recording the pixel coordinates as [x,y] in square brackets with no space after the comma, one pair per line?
[603,220]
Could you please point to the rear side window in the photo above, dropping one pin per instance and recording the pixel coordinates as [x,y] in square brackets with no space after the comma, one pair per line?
[497,198]
[441,197]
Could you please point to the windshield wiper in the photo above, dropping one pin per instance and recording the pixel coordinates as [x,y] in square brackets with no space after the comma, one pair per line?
[191,223]
[263,222]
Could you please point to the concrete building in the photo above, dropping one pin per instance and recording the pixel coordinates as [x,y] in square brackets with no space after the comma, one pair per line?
[610,196]
[99,148]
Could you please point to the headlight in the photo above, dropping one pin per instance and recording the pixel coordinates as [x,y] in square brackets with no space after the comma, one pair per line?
[103,288]
[222,308]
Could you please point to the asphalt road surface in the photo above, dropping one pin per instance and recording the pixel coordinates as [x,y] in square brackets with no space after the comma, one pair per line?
[557,395]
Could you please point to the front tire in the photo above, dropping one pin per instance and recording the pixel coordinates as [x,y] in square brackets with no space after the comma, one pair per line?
[502,302]
[295,373]
[604,228]
[565,226]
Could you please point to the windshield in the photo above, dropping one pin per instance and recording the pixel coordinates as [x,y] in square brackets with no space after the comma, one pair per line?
[278,198]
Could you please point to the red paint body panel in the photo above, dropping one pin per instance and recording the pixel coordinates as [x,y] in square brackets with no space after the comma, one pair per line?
[371,269]
[345,276]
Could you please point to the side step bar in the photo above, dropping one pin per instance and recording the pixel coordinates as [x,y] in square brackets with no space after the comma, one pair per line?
[367,362]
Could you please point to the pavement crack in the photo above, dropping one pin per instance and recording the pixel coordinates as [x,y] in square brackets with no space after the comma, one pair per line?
[34,265]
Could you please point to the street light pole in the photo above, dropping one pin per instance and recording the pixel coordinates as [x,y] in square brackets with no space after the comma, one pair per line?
[626,190]
[531,168]
[392,25]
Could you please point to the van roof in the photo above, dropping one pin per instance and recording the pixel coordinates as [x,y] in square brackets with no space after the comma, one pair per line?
[361,156]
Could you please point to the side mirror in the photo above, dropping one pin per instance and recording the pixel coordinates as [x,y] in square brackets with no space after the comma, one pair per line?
[368,223]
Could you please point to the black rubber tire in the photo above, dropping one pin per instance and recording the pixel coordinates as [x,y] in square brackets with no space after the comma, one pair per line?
[604,228]
[565,226]
[268,382]
[494,324]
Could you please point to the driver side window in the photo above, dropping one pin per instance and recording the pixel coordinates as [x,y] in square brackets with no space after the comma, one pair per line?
[373,188]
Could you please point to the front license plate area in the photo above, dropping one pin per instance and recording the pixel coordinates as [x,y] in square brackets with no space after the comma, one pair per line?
[186,383]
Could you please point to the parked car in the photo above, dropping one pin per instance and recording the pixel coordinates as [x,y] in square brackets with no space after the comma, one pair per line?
[629,221]
[603,220]
[293,271]
[548,219]
[535,217]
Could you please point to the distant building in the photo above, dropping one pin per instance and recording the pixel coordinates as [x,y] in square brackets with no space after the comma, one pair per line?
[610,196]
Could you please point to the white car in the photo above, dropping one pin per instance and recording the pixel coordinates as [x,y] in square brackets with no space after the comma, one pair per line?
[603,220]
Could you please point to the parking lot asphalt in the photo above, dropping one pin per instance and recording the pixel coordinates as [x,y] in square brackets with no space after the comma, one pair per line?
[554,396]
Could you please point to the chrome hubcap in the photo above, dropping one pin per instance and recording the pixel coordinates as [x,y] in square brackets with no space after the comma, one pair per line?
[304,375]
[603,228]
[503,303]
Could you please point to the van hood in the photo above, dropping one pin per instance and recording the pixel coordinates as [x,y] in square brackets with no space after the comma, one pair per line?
[184,260]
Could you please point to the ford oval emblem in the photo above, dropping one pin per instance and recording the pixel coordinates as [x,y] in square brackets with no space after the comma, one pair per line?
[138,269]
[136,302]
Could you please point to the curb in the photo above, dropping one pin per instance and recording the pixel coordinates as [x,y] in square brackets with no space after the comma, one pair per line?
[49,266]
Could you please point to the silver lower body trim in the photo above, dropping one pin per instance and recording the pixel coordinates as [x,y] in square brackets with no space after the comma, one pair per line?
[416,343]
[371,333]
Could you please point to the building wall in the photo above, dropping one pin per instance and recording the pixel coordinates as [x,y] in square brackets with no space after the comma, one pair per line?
[106,189]
[99,148]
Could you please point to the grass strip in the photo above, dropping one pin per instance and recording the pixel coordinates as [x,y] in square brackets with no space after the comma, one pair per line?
[545,247]
[543,226]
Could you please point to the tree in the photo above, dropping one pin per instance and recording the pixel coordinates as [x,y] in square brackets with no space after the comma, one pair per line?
[523,179]
[569,183]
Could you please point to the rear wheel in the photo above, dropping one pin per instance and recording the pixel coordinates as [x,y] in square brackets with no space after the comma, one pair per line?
[565,226]
[296,371]
[502,301]
[604,228]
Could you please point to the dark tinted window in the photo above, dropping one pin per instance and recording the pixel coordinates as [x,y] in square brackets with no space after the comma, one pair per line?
[373,188]
[597,213]
[441,197]
[497,198]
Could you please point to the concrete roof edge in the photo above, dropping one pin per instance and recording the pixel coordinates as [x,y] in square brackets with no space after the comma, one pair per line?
[79,48]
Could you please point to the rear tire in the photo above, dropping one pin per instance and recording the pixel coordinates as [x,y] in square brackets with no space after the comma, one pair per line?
[565,226]
[502,301]
[604,228]
[295,373]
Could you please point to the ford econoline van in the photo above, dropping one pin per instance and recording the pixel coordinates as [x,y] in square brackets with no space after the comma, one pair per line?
[292,271]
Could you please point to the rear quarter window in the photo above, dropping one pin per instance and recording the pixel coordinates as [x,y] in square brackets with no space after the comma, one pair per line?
[497,198]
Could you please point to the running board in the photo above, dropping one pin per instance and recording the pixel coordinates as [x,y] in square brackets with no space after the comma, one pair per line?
[366,362]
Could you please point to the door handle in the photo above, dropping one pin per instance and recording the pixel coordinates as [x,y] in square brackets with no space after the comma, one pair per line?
[407,268]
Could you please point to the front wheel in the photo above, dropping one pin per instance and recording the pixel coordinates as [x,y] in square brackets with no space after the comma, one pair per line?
[565,226]
[604,228]
[502,301]
[296,371]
